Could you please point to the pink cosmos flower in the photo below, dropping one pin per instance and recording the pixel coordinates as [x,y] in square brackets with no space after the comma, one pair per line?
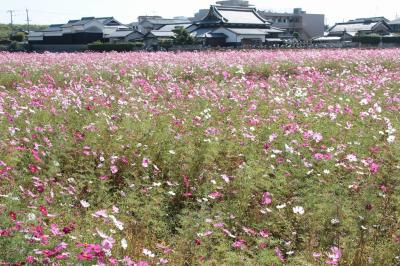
[127,261]
[100,213]
[33,169]
[114,169]
[145,162]
[334,256]
[264,233]
[215,195]
[318,156]
[103,177]
[279,254]
[142,263]
[63,256]
[30,259]
[54,229]
[239,243]
[266,199]
[374,167]
[108,243]
[43,210]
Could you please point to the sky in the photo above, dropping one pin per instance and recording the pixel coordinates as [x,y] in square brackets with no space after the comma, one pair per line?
[126,11]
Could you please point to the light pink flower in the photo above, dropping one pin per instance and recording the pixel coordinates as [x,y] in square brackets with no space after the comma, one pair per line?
[334,256]
[266,199]
[215,195]
[114,169]
[145,162]
[239,243]
[264,233]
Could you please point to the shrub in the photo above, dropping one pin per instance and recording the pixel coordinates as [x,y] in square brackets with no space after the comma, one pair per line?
[368,39]
[392,39]
[19,37]
[138,44]
[118,47]
[5,42]
[13,46]
[166,43]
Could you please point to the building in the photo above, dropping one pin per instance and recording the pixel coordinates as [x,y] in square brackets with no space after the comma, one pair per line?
[164,33]
[395,25]
[227,26]
[238,3]
[124,35]
[146,24]
[76,32]
[361,26]
[307,26]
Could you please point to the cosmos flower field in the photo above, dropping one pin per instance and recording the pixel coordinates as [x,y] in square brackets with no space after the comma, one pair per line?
[208,158]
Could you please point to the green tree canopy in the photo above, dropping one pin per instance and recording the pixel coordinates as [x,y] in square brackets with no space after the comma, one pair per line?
[182,36]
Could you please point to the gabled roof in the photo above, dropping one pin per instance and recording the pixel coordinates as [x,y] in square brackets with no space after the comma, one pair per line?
[395,22]
[353,27]
[171,27]
[122,33]
[233,15]
[167,21]
[371,19]
[106,21]
[242,31]
[158,33]
[356,26]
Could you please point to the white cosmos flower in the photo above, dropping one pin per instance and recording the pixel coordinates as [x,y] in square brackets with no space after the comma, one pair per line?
[335,221]
[298,210]
[124,243]
[118,224]
[281,206]
[148,253]
[31,217]
[85,204]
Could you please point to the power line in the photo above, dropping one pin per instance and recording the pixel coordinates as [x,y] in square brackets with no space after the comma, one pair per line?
[27,19]
[11,17]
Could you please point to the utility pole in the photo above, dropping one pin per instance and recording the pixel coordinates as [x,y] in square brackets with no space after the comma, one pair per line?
[27,20]
[12,18]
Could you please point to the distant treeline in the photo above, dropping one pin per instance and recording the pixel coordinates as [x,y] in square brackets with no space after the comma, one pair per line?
[5,29]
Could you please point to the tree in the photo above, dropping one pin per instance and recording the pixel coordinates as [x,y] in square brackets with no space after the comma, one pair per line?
[296,35]
[182,36]
[19,37]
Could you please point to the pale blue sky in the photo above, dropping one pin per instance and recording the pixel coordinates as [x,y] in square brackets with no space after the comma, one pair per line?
[126,11]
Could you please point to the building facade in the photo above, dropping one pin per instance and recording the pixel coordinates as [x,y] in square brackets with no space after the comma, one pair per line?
[307,26]
[395,25]
[146,24]
[233,26]
[360,26]
[76,32]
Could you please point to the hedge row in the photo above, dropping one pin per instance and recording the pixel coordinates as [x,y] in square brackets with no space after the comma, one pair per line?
[372,39]
[369,39]
[118,47]
[394,39]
